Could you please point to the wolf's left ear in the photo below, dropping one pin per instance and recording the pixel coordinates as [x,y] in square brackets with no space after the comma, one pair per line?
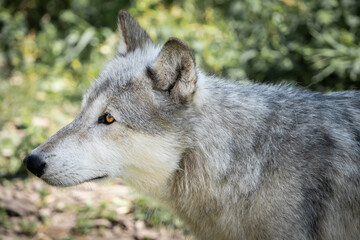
[132,36]
[175,71]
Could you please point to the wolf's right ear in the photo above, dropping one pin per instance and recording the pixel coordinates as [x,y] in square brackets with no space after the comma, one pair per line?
[132,36]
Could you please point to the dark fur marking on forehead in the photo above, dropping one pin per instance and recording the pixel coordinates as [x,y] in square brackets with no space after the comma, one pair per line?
[100,88]
[103,85]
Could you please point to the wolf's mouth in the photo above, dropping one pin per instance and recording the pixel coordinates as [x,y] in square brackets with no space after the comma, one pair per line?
[97,178]
[58,182]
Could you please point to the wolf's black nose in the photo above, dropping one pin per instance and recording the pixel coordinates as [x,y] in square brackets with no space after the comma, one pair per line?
[35,164]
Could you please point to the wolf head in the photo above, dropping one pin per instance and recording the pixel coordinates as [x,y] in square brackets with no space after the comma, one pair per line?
[133,120]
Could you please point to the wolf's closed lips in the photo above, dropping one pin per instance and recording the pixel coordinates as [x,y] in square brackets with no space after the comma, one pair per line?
[97,178]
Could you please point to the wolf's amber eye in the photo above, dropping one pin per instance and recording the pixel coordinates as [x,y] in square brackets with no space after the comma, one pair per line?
[107,118]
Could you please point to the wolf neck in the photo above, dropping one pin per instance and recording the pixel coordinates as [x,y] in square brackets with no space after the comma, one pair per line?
[220,139]
[224,132]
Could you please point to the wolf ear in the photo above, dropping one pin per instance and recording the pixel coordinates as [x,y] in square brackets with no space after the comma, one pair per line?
[132,36]
[175,71]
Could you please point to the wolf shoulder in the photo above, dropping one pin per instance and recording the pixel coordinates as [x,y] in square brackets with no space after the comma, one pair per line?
[290,100]
[284,117]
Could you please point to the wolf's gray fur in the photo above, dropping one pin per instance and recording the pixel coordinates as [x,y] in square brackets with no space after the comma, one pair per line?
[234,161]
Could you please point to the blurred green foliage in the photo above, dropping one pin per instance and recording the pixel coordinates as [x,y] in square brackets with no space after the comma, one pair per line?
[313,43]
[51,50]
[88,214]
[156,216]
[4,219]
[27,227]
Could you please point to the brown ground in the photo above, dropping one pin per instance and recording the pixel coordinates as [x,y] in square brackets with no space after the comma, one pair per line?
[33,210]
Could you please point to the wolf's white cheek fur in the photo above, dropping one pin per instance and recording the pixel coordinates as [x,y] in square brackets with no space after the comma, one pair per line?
[149,161]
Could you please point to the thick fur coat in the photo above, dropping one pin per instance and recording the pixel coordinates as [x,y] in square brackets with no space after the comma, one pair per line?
[234,161]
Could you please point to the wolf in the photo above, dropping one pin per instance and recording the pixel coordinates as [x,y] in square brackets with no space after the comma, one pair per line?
[234,161]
